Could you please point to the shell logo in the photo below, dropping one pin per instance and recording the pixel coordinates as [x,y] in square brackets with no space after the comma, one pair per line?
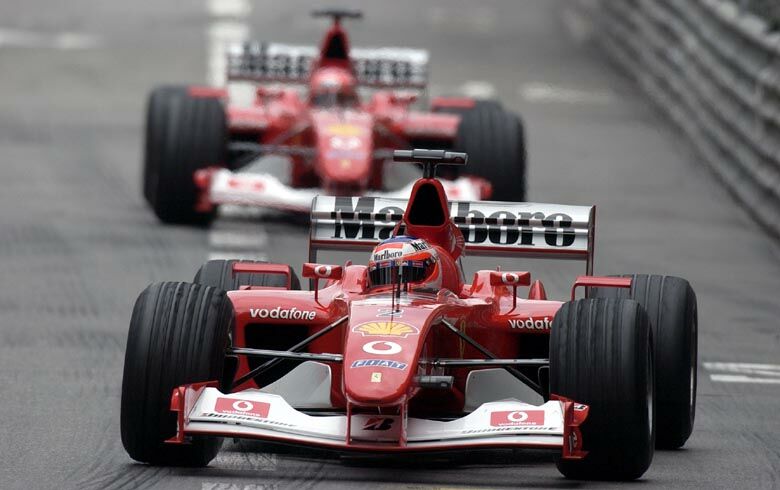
[386,329]
[344,130]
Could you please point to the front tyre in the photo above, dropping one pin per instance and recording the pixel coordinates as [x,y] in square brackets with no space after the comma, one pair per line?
[178,335]
[601,355]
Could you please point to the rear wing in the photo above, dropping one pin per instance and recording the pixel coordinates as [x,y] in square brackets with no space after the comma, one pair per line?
[283,63]
[527,230]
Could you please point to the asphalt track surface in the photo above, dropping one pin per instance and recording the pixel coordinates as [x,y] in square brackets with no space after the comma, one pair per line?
[77,243]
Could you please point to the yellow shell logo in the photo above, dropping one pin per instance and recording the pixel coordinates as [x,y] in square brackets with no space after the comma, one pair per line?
[344,130]
[388,329]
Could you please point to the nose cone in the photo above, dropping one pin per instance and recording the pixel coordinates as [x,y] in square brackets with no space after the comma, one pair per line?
[382,353]
[344,149]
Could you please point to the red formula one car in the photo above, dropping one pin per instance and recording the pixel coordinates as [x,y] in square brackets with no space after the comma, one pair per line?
[404,355]
[336,140]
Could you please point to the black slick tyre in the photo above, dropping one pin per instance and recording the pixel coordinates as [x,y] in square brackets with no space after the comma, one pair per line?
[219,274]
[183,134]
[178,335]
[671,305]
[601,355]
[495,142]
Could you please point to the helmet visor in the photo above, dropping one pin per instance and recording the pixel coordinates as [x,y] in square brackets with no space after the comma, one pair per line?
[399,272]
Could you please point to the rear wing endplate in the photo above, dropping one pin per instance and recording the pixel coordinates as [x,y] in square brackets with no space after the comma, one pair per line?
[490,228]
[283,63]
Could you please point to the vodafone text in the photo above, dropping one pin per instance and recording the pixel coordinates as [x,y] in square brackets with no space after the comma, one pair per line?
[531,324]
[282,314]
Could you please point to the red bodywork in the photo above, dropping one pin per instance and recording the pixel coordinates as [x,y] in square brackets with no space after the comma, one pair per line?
[482,309]
[338,148]
[404,354]
[387,341]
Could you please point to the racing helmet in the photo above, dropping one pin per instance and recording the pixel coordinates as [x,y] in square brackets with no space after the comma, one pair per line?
[333,86]
[402,260]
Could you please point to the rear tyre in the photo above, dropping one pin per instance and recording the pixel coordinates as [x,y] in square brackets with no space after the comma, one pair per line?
[178,335]
[183,134]
[219,274]
[671,305]
[495,142]
[601,355]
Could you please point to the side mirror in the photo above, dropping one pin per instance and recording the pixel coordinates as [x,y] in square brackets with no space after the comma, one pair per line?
[321,271]
[512,280]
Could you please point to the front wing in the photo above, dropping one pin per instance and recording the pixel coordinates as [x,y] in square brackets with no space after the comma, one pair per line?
[221,186]
[203,410]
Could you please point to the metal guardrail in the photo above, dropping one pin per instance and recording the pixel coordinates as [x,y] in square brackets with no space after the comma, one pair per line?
[715,70]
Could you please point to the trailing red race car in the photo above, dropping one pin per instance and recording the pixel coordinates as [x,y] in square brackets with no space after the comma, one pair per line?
[404,355]
[337,142]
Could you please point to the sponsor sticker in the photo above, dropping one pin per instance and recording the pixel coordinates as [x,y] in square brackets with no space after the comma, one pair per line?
[510,278]
[385,363]
[345,142]
[378,423]
[382,348]
[323,270]
[280,313]
[513,226]
[517,418]
[387,255]
[245,408]
[344,130]
[382,312]
[531,324]
[345,157]
[419,245]
[386,329]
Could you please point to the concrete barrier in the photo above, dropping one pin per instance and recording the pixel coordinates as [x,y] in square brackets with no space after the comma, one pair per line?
[715,69]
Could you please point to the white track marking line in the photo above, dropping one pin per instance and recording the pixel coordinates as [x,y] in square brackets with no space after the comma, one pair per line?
[221,35]
[238,212]
[232,240]
[738,378]
[545,92]
[21,38]
[228,26]
[478,89]
[231,458]
[469,18]
[229,8]
[742,372]
[231,485]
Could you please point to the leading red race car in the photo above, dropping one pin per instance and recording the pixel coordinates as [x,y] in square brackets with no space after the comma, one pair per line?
[337,142]
[404,355]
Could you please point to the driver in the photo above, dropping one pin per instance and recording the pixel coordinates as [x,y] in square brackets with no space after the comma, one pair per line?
[333,87]
[404,260]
